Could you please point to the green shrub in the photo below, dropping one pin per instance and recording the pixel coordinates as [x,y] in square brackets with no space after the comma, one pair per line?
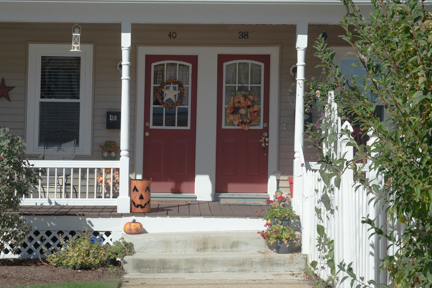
[119,249]
[16,180]
[79,253]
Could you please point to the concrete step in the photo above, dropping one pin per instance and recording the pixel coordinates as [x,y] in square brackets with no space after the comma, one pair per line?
[199,262]
[215,283]
[245,276]
[232,241]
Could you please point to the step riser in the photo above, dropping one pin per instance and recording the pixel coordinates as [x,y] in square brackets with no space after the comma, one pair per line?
[147,243]
[286,263]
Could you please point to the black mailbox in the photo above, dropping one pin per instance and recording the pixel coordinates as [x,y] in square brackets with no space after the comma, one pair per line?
[113,120]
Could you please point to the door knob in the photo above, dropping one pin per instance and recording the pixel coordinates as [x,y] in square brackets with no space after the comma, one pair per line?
[146,133]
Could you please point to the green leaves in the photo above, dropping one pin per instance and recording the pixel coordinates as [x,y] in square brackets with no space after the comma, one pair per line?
[320,230]
[16,180]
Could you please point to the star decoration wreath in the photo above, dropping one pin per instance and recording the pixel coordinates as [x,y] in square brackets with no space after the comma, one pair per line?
[241,110]
[171,93]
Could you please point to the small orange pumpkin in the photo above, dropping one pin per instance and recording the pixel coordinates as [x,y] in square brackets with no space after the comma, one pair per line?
[133,227]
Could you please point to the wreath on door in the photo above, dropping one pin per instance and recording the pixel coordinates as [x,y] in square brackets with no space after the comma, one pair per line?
[162,89]
[242,110]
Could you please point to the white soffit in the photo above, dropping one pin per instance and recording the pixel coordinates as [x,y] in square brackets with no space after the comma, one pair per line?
[175,11]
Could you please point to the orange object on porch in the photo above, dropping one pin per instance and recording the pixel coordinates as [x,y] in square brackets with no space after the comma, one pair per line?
[140,195]
[291,181]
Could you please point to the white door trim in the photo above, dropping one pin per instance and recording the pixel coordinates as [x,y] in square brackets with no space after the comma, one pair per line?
[206,113]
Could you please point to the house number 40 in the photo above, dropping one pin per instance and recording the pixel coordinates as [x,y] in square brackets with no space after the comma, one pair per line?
[243,35]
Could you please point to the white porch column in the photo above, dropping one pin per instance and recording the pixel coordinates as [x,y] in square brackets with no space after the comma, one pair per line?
[301,44]
[123,204]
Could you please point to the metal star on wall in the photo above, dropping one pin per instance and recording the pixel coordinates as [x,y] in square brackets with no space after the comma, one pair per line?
[4,90]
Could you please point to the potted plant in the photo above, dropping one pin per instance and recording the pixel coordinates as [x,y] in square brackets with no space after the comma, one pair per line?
[280,215]
[283,238]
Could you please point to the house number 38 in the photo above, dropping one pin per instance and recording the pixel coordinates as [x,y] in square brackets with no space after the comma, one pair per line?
[243,35]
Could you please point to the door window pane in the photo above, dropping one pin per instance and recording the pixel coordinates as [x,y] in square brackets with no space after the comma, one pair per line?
[171,71]
[185,101]
[229,92]
[243,73]
[170,117]
[157,116]
[158,74]
[230,74]
[184,74]
[255,73]
[182,117]
[256,90]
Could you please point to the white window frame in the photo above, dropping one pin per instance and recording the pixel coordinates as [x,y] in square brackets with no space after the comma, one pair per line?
[260,126]
[165,62]
[36,51]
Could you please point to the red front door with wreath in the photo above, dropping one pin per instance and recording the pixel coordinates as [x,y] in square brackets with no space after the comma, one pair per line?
[169,122]
[242,124]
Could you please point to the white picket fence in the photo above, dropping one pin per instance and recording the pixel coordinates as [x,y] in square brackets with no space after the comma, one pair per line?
[75,182]
[352,240]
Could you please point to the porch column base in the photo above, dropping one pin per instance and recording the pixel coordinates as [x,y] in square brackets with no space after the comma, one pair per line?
[123,204]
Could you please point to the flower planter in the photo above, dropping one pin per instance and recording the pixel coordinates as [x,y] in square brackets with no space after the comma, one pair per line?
[281,247]
[283,222]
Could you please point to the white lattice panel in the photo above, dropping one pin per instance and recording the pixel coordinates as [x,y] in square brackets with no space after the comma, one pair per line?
[50,240]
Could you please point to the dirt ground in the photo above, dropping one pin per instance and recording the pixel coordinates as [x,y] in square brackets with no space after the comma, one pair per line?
[14,272]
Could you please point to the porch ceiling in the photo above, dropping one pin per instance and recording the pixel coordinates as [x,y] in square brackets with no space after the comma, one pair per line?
[174,12]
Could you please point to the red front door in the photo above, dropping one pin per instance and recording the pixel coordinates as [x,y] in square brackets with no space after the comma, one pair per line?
[243,101]
[169,122]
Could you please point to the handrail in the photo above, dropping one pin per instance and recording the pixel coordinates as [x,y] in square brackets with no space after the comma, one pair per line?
[75,163]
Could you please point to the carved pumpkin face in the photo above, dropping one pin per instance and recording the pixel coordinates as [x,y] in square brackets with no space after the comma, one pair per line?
[140,195]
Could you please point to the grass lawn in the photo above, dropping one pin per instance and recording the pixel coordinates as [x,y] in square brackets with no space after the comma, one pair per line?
[97,284]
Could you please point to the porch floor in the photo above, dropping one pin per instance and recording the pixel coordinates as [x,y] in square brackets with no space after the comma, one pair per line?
[182,209]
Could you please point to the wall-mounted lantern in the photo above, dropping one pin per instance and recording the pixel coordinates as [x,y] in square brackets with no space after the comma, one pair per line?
[76,38]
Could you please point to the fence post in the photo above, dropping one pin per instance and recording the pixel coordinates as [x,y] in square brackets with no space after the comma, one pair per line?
[378,247]
[345,189]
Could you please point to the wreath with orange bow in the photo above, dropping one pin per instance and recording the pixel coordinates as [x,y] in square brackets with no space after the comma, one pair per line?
[242,110]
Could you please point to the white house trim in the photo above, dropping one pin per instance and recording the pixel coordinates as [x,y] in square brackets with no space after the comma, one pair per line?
[206,116]
[36,51]
[174,12]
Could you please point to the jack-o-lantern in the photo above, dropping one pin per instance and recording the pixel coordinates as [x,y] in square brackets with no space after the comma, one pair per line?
[140,195]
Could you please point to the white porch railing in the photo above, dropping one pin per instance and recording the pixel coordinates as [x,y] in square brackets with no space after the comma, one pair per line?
[75,183]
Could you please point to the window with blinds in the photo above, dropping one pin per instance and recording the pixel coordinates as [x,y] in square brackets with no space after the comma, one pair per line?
[59,107]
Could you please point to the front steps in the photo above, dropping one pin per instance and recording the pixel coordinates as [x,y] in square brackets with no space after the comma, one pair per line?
[209,255]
